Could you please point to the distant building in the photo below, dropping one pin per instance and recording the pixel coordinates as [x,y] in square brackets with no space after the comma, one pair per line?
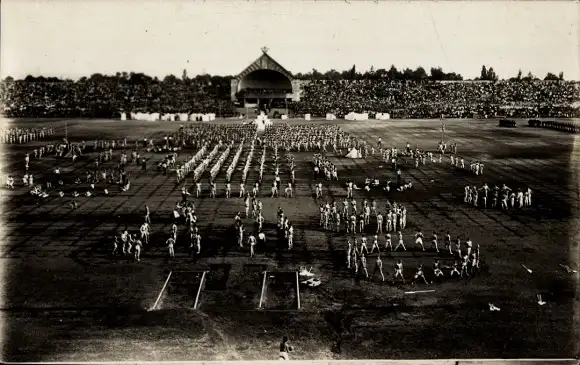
[265,83]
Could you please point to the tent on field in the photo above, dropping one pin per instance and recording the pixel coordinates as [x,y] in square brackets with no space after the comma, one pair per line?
[354,153]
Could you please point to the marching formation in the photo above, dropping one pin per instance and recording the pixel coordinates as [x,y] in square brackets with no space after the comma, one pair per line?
[466,257]
[200,153]
[25,135]
[509,198]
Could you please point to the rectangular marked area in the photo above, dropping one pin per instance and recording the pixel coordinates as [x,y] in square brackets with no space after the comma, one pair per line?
[248,290]
[225,288]
[281,291]
[181,290]
[213,294]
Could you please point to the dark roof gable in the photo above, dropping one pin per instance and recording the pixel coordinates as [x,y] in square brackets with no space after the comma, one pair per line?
[265,62]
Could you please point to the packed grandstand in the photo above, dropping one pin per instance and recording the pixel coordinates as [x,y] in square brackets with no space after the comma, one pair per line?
[107,97]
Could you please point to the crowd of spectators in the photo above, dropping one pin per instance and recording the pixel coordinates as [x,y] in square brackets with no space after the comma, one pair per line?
[96,98]
[412,99]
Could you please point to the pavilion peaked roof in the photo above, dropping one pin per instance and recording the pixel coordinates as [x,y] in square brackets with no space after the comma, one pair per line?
[265,62]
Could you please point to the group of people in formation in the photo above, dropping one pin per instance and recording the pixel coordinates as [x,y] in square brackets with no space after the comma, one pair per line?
[308,138]
[255,192]
[356,220]
[572,127]
[442,147]
[132,244]
[185,210]
[466,258]
[490,197]
[324,168]
[284,228]
[285,137]
[94,175]
[476,167]
[25,135]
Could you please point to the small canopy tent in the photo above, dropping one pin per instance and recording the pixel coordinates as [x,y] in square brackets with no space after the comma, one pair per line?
[354,153]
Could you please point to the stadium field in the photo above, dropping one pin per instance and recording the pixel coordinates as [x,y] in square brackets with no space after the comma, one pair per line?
[66,299]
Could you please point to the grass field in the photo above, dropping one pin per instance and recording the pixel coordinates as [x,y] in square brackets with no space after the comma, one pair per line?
[66,299]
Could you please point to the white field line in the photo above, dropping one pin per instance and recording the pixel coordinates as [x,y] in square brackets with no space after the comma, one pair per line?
[298,288]
[199,289]
[263,289]
[419,291]
[162,290]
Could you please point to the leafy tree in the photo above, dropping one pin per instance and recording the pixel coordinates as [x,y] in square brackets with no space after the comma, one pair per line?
[491,75]
[393,73]
[408,74]
[352,73]
[316,75]
[420,74]
[97,78]
[452,76]
[140,79]
[437,74]
[529,77]
[561,76]
[551,77]
[332,75]
[483,75]
[171,80]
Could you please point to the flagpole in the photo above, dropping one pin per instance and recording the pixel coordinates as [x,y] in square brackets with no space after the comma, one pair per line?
[442,131]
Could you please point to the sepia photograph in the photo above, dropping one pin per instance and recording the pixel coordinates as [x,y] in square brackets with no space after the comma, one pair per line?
[334,182]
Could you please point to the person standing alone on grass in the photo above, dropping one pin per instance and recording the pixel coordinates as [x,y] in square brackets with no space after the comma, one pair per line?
[419,274]
[399,177]
[434,241]
[252,244]
[197,238]
[147,215]
[137,250]
[379,266]
[399,271]
[348,254]
[401,243]
[285,348]
[115,246]
[262,240]
[170,242]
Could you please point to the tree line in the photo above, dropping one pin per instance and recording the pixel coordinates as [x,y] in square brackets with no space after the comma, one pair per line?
[488,74]
[220,85]
[419,74]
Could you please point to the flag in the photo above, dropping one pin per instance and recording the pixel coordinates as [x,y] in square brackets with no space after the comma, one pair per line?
[443,127]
